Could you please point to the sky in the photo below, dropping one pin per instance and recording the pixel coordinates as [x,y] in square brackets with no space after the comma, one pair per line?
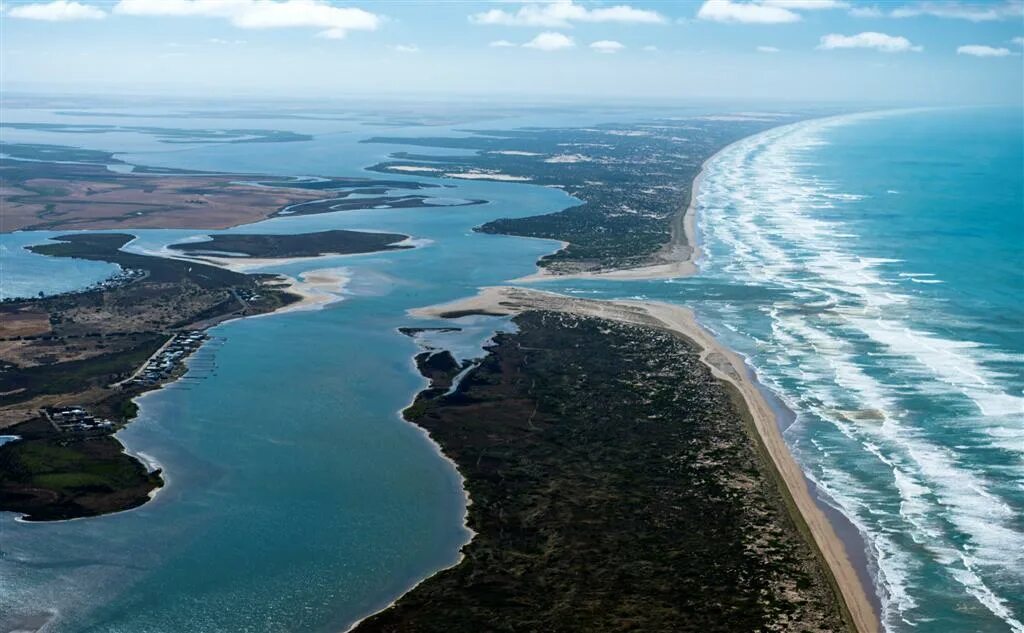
[900,52]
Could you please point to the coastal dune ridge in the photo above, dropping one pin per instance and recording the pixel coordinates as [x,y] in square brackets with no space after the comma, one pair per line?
[725,365]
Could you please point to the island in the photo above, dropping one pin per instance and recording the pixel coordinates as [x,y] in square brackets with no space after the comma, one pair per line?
[336,242]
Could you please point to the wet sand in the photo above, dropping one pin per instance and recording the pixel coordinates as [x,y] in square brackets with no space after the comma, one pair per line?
[317,288]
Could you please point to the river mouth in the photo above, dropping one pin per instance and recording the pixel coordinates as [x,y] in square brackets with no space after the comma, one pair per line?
[289,466]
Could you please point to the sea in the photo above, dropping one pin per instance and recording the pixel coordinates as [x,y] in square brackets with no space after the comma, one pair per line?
[869,266]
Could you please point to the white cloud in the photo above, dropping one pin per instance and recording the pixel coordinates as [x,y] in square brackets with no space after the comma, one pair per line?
[561,13]
[980,50]
[217,40]
[607,46]
[406,48]
[868,39]
[806,5]
[501,44]
[650,48]
[745,12]
[335,21]
[961,11]
[867,12]
[1019,41]
[57,11]
[767,49]
[550,41]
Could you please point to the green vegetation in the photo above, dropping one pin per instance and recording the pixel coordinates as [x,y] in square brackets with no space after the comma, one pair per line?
[42,152]
[634,181]
[77,349]
[62,478]
[380,202]
[105,247]
[614,488]
[331,184]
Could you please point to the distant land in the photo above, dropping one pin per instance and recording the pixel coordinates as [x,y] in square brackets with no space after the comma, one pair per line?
[634,180]
[336,242]
[57,187]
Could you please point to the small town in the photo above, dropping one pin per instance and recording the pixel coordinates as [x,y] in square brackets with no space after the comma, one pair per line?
[162,364]
[75,419]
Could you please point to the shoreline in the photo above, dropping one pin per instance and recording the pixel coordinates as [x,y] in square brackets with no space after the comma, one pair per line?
[681,254]
[727,366]
[316,288]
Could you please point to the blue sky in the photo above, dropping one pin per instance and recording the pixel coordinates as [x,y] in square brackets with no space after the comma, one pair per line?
[804,50]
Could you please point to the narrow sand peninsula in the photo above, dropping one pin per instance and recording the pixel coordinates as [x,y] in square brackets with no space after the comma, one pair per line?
[317,288]
[725,365]
[242,264]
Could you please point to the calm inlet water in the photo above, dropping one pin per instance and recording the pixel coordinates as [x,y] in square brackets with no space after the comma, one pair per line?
[868,266]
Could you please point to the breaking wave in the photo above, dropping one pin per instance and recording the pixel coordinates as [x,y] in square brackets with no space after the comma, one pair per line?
[892,411]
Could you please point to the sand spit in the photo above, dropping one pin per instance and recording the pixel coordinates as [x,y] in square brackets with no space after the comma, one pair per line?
[726,365]
[317,288]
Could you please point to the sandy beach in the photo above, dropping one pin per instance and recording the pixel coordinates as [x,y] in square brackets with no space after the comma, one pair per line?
[240,264]
[316,288]
[725,365]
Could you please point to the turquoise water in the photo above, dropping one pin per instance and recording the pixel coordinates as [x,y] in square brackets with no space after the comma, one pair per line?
[869,267]
[897,246]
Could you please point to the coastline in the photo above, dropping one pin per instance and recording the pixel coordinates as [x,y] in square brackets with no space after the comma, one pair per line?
[308,290]
[725,365]
[680,254]
[315,288]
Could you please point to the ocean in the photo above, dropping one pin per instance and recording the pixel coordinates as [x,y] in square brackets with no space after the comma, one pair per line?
[894,246]
[868,266]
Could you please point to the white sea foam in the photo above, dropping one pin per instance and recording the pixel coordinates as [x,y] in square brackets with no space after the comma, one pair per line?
[850,350]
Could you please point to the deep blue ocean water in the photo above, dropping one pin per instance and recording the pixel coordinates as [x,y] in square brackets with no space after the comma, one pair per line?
[869,267]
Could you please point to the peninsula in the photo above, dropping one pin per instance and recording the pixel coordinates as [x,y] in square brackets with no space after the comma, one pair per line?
[336,242]
[634,181]
[624,474]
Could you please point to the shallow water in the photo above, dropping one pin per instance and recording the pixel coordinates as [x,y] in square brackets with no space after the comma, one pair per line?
[298,499]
